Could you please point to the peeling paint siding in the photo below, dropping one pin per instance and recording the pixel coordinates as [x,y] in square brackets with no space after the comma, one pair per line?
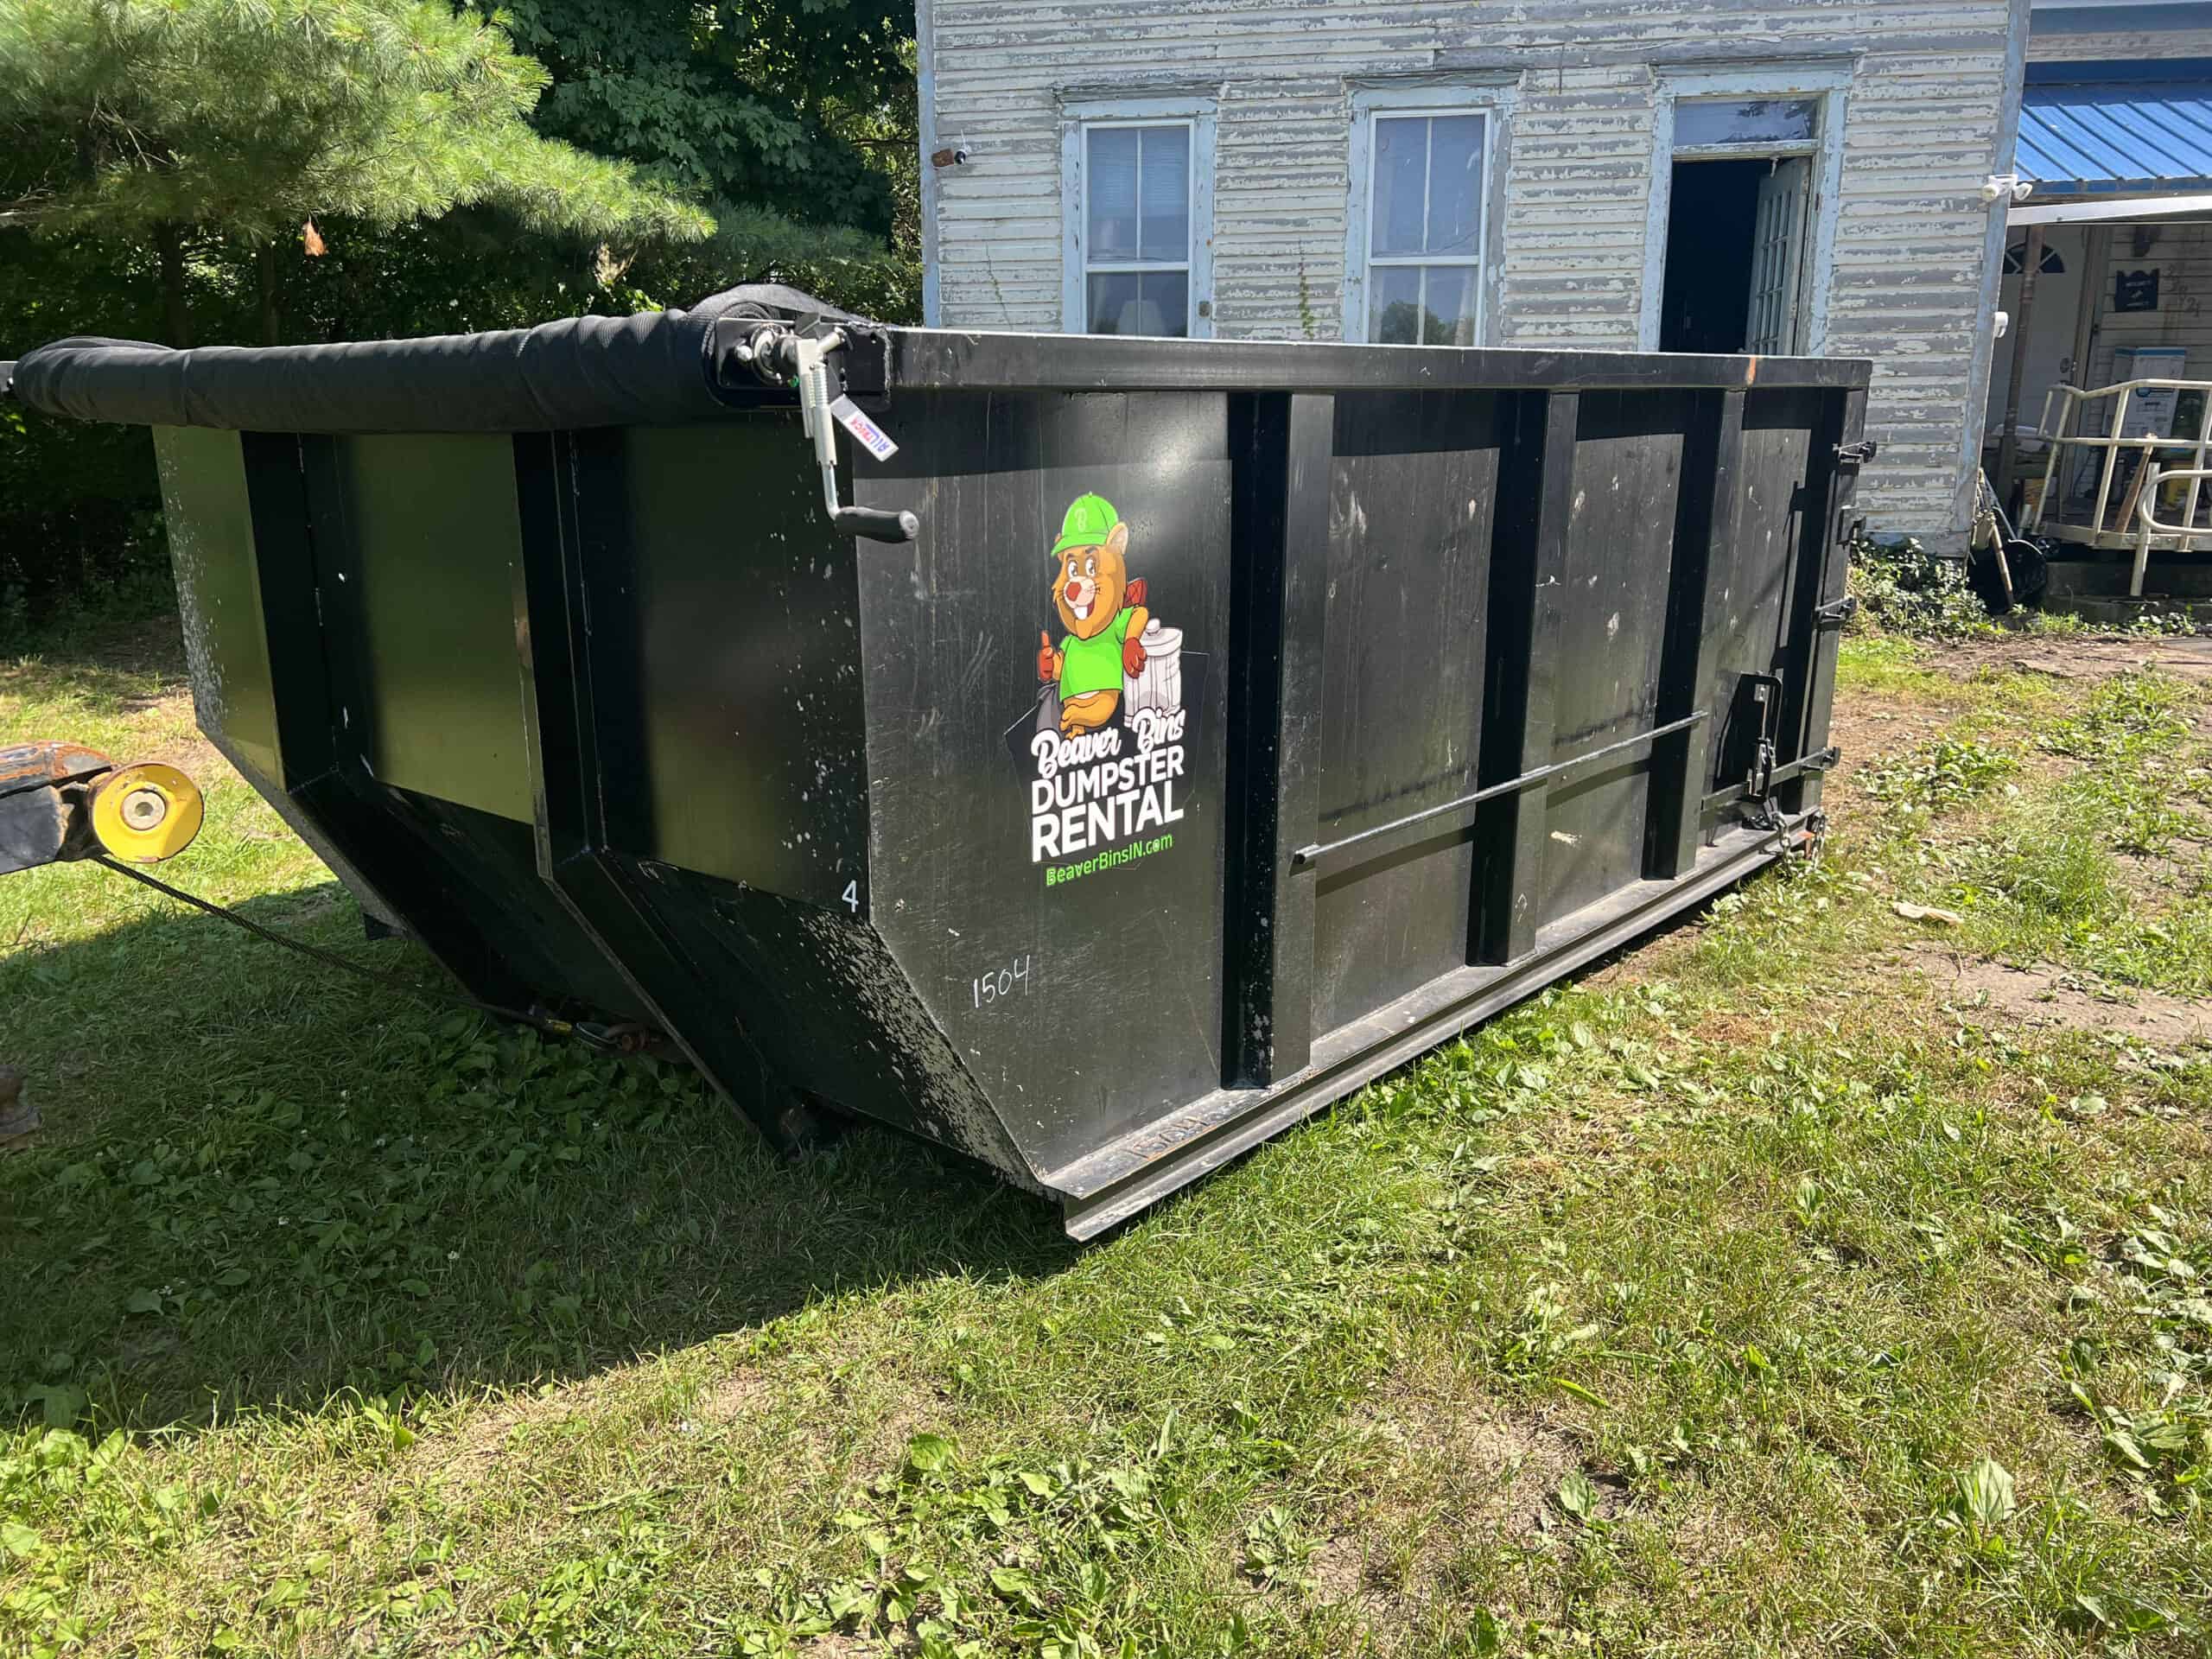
[1918,141]
[1577,191]
[2135,46]
[1923,113]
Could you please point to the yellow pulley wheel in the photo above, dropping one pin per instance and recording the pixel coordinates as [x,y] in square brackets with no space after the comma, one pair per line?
[146,813]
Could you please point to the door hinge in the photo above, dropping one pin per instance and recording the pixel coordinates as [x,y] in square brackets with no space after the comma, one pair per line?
[1836,611]
[1856,454]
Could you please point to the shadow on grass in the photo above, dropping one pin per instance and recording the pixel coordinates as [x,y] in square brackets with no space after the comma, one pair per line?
[118,666]
[262,1182]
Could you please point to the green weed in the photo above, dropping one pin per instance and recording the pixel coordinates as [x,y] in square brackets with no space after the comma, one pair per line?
[1936,776]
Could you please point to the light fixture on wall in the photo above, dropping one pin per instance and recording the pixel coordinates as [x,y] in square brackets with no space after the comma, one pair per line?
[1999,186]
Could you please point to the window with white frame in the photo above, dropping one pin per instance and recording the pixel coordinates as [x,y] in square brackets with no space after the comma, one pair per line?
[1421,263]
[1136,227]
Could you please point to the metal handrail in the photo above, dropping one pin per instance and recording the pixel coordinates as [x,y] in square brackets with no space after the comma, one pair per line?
[2146,511]
[2072,403]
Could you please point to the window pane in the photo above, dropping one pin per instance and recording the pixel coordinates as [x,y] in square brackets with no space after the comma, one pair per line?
[1110,189]
[1110,295]
[1166,199]
[1455,184]
[1139,303]
[1401,184]
[1755,121]
[1448,311]
[1423,305]
[1163,304]
[1394,310]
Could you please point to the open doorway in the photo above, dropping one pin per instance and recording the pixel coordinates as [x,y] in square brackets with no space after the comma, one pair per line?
[1736,245]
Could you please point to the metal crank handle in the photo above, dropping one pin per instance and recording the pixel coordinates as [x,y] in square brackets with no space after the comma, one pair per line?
[877,524]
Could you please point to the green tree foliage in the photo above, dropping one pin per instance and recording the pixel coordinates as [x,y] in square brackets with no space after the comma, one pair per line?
[763,102]
[251,115]
[464,168]
[157,118]
[793,120]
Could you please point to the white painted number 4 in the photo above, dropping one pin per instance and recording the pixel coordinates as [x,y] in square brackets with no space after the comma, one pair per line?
[852,896]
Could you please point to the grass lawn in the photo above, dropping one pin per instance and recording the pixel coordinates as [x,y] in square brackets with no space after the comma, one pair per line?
[1819,1278]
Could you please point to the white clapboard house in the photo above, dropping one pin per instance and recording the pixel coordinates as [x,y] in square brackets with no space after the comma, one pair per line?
[1764,175]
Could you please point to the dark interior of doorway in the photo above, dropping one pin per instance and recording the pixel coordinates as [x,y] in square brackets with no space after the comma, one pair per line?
[1711,223]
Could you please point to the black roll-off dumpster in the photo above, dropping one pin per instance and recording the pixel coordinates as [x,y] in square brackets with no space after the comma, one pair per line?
[1091,755]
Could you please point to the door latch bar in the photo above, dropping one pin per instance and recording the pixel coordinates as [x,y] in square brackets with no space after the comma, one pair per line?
[1307,857]
[1819,761]
[1836,611]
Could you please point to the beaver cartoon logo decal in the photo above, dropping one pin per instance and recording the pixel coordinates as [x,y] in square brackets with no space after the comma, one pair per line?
[1104,747]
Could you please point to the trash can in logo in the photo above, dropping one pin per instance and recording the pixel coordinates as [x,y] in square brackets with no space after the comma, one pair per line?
[1158,684]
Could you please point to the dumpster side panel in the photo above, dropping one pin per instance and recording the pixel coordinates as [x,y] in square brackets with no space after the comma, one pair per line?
[748,659]
[819,996]
[1779,429]
[431,550]
[210,517]
[693,658]
[1413,489]
[1768,576]
[273,610]
[1055,898]
[1627,478]
[237,653]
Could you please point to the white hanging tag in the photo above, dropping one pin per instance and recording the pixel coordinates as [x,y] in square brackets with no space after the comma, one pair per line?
[865,433]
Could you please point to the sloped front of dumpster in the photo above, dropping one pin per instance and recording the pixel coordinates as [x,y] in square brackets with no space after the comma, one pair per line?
[1236,721]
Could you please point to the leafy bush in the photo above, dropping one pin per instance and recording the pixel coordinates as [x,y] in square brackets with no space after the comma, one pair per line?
[1901,588]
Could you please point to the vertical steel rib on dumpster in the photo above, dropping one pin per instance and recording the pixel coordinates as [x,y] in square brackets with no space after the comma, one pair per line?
[1283,442]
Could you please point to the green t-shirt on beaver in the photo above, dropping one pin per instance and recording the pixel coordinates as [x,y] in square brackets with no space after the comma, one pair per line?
[1093,665]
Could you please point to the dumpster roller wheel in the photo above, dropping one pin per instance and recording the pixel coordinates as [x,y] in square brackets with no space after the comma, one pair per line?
[146,813]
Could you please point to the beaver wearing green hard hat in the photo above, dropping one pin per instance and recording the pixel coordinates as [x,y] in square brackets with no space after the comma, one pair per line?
[1102,611]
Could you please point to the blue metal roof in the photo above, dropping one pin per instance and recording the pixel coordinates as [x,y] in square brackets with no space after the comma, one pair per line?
[2117,129]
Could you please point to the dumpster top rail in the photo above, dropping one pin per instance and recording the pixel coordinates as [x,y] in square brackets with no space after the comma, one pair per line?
[648,369]
[679,366]
[949,360]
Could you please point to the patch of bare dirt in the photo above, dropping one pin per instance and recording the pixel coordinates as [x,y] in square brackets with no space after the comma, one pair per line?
[471,1451]
[738,1395]
[2159,876]
[2094,657]
[1450,1469]
[840,1644]
[2055,998]
[1861,727]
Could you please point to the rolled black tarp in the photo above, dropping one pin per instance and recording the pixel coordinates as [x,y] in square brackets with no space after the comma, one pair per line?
[648,369]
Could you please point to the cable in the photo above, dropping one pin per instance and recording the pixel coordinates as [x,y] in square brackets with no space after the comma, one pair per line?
[545,1023]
